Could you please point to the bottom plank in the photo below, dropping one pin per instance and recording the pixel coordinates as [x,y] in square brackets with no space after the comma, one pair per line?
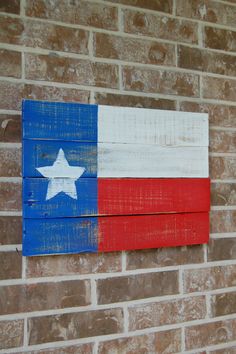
[153,231]
[114,233]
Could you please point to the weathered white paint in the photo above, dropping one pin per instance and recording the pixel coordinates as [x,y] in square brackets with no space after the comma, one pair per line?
[151,126]
[61,176]
[130,160]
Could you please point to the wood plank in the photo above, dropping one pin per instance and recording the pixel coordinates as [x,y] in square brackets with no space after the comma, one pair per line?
[35,204]
[80,122]
[52,236]
[149,161]
[75,235]
[152,126]
[112,196]
[118,160]
[59,120]
[152,231]
[39,153]
[129,196]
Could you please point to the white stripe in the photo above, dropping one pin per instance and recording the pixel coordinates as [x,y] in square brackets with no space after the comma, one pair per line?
[151,126]
[130,160]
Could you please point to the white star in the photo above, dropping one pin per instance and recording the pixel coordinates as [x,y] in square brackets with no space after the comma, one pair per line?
[61,176]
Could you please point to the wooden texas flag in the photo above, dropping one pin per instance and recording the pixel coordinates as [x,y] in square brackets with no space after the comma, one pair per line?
[101,178]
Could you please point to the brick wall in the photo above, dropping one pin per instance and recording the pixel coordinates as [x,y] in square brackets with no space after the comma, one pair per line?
[164,54]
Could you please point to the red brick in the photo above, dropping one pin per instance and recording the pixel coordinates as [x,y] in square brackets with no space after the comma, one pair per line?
[205,60]
[11,334]
[231,350]
[70,70]
[10,230]
[207,10]
[223,221]
[156,5]
[134,101]
[78,12]
[223,304]
[210,334]
[221,141]
[75,325]
[223,194]
[75,349]
[160,26]
[205,279]
[10,265]
[167,342]
[11,30]
[43,35]
[164,257]
[135,287]
[73,264]
[156,81]
[50,93]
[10,128]
[13,90]
[44,296]
[219,89]
[10,196]
[12,6]
[223,167]
[53,37]
[166,312]
[10,162]
[147,52]
[10,63]
[219,115]
[217,38]
[220,249]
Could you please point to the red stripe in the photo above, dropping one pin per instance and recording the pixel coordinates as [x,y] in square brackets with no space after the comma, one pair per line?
[152,195]
[150,231]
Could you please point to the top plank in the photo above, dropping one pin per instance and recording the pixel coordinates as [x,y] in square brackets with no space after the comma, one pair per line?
[150,126]
[59,121]
[107,124]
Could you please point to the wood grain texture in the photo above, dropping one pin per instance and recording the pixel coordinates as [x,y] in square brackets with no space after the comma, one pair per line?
[119,178]
[52,236]
[118,160]
[149,161]
[127,196]
[36,205]
[40,153]
[59,121]
[151,126]
[152,231]
[114,196]
[75,235]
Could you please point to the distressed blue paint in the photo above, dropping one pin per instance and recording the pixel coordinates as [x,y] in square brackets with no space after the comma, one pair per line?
[35,204]
[38,153]
[59,121]
[52,236]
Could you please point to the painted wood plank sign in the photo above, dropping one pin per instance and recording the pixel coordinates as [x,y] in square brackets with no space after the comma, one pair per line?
[102,178]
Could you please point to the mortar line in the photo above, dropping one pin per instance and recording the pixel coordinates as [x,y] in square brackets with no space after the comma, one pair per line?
[60,344]
[117,61]
[138,271]
[124,35]
[134,9]
[126,92]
